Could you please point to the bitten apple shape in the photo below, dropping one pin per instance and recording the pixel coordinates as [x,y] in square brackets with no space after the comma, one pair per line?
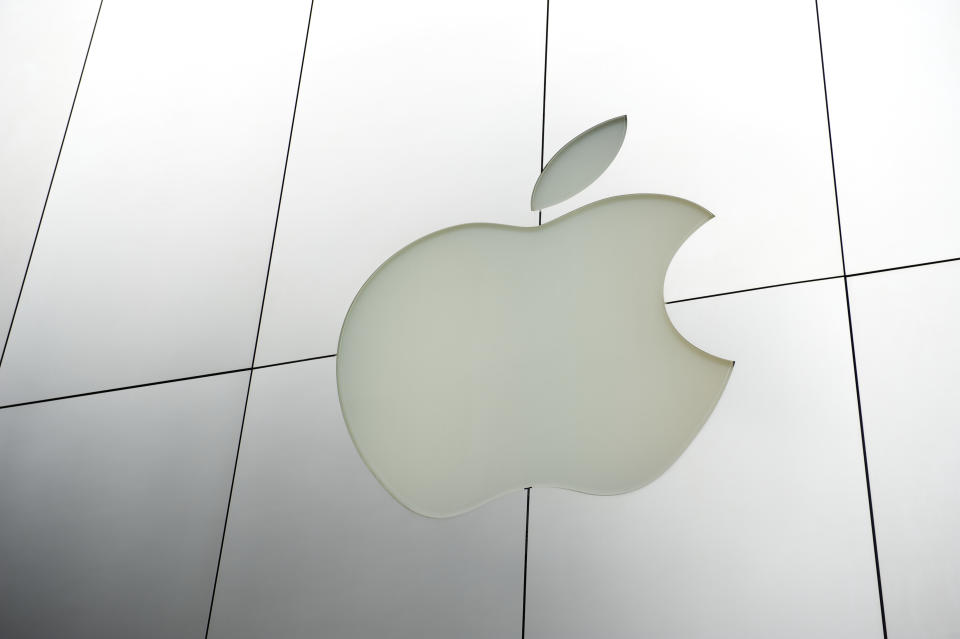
[485,358]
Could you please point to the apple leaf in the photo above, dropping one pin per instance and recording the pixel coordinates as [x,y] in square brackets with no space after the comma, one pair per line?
[581,161]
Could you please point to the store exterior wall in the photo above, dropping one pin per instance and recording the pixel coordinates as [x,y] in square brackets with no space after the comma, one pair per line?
[193,192]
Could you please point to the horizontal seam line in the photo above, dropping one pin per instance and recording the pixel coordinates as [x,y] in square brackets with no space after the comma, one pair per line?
[817,279]
[165,381]
[757,288]
[318,357]
[900,268]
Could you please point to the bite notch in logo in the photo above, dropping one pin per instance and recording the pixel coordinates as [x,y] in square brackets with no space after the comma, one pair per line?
[486,358]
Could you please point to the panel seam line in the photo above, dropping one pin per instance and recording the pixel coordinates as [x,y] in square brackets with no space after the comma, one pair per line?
[256,340]
[46,198]
[853,351]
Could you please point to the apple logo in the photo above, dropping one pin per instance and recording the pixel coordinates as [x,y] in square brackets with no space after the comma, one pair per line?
[486,358]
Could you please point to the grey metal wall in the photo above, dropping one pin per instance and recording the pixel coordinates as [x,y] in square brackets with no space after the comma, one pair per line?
[183,224]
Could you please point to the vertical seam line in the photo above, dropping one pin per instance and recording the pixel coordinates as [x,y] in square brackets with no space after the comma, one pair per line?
[46,198]
[853,350]
[256,341]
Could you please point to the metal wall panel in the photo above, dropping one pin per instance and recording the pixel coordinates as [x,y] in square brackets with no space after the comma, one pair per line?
[760,529]
[725,108]
[413,117]
[42,47]
[892,72]
[153,252]
[112,510]
[905,324]
[315,546]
